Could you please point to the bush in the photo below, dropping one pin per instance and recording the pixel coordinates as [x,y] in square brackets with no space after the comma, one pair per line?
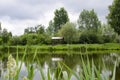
[90,37]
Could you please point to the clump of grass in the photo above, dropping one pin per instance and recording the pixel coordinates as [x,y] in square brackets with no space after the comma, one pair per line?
[11,69]
[90,71]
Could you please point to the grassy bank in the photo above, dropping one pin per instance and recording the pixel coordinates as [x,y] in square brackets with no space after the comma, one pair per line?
[62,48]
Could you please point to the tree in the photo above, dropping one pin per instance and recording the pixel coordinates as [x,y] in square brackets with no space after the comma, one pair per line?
[40,29]
[69,32]
[32,39]
[5,36]
[114,16]
[50,28]
[61,17]
[88,20]
[15,40]
[0,28]
[90,27]
[90,37]
[108,33]
[26,31]
[29,30]
[23,39]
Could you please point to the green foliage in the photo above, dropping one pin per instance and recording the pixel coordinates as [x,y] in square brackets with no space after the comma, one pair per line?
[34,39]
[108,34]
[23,39]
[88,20]
[50,28]
[40,29]
[114,71]
[0,40]
[90,37]
[89,71]
[35,36]
[15,40]
[60,18]
[31,39]
[114,16]
[29,30]
[41,39]
[69,32]
[90,27]
[30,72]
[5,36]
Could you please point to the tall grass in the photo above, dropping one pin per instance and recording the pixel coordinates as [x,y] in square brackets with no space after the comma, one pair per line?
[90,72]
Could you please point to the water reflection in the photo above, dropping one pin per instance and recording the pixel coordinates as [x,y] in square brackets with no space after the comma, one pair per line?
[105,62]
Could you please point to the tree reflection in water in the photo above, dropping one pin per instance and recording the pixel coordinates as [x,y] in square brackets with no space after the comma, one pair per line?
[73,61]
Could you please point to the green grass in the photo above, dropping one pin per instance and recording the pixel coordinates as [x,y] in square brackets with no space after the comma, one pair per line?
[63,48]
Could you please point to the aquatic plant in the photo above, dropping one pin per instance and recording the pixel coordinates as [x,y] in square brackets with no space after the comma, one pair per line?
[11,66]
[25,78]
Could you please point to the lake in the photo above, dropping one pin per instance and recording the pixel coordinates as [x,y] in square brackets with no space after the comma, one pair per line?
[105,62]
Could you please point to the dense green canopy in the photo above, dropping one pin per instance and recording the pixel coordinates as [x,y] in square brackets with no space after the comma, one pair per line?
[114,16]
[88,20]
[61,17]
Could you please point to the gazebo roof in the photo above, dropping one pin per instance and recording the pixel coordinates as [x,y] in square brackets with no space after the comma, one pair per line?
[57,38]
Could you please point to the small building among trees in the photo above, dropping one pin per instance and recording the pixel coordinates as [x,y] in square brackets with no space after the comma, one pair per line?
[57,40]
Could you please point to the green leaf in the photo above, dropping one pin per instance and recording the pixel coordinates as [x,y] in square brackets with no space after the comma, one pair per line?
[114,71]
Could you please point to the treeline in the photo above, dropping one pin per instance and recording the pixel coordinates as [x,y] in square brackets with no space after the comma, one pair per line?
[87,30]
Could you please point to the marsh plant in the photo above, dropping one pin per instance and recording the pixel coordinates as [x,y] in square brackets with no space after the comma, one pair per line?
[25,78]
[12,70]
[11,67]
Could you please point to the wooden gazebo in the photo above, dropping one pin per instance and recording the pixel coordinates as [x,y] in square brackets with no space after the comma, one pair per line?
[57,40]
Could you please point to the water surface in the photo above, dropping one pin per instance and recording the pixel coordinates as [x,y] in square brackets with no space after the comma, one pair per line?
[103,61]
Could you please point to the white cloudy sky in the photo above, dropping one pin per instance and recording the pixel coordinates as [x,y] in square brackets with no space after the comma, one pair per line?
[16,15]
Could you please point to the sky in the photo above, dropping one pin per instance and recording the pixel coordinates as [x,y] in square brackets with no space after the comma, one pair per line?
[16,15]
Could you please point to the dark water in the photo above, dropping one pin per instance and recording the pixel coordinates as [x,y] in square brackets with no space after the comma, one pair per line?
[103,61]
